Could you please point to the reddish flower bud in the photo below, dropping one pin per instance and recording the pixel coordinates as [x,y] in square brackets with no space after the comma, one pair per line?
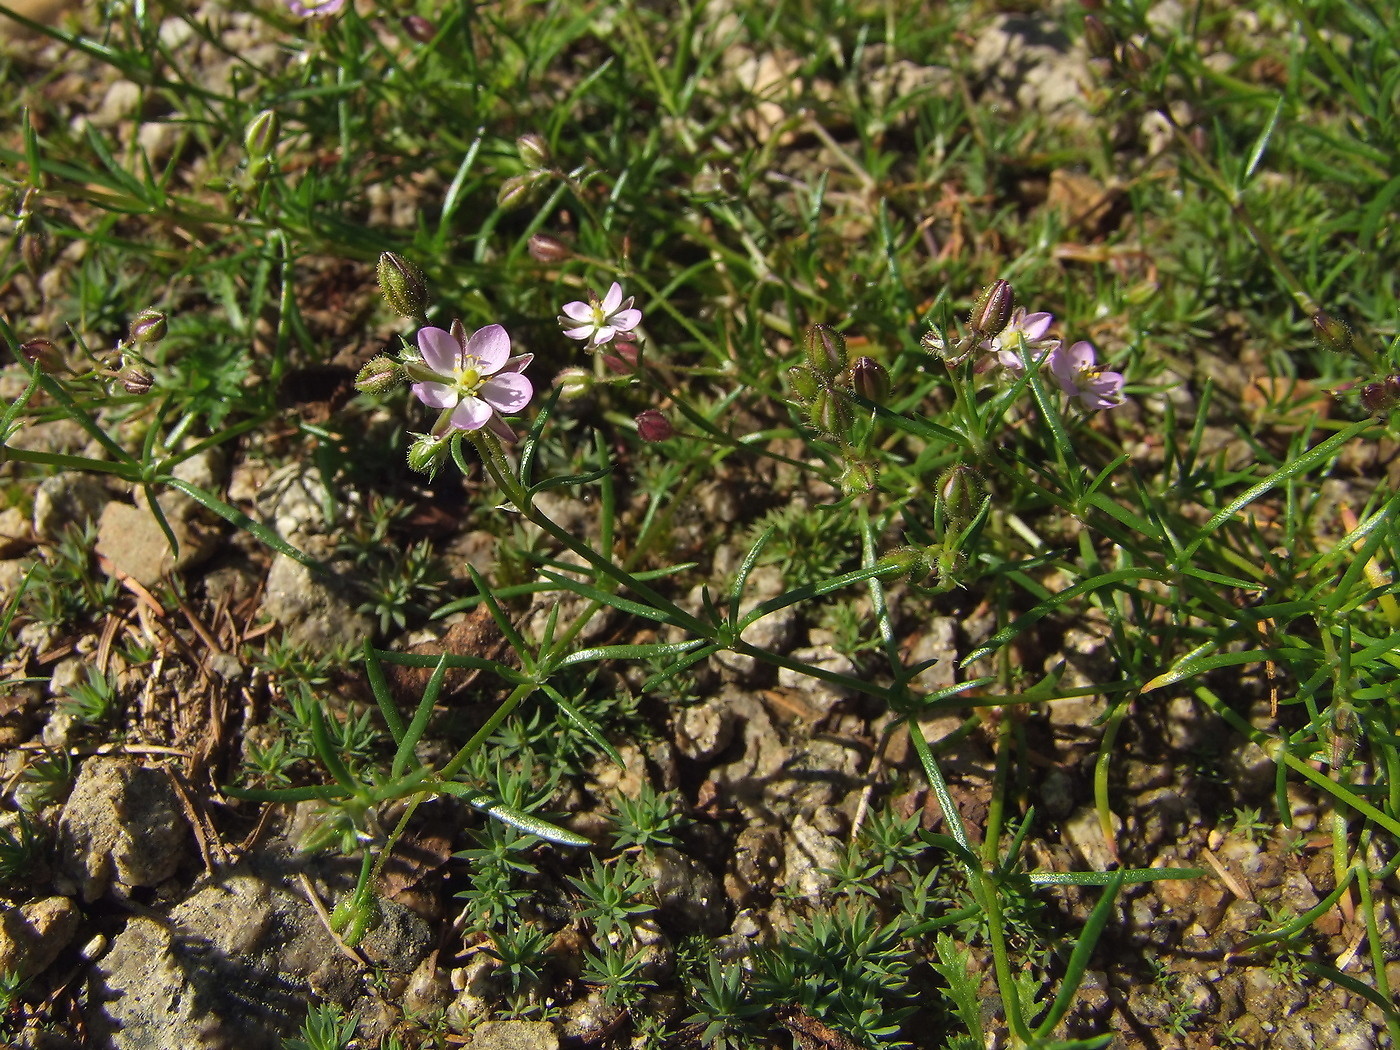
[870,380]
[653,426]
[546,249]
[44,354]
[1098,38]
[1381,397]
[148,327]
[418,28]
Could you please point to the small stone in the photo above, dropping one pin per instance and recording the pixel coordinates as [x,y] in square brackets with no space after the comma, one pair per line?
[820,694]
[134,543]
[514,1035]
[705,729]
[67,498]
[16,533]
[809,852]
[689,896]
[33,934]
[122,822]
[315,612]
[123,99]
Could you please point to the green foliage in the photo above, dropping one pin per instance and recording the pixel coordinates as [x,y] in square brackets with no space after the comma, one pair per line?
[609,898]
[649,821]
[91,701]
[326,1028]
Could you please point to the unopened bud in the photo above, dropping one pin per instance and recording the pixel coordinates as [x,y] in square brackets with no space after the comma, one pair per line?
[870,380]
[44,355]
[805,382]
[714,182]
[992,311]
[1330,333]
[573,383]
[830,412]
[1133,59]
[826,351]
[136,381]
[622,357]
[653,426]
[958,496]
[403,286]
[513,192]
[426,454]
[910,562]
[858,477]
[418,28]
[1381,397]
[147,327]
[34,247]
[546,249]
[261,136]
[1098,38]
[532,150]
[380,374]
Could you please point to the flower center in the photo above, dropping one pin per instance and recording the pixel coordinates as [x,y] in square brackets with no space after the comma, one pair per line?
[1088,374]
[468,378]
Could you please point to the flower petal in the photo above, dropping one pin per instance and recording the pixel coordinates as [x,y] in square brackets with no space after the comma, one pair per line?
[613,299]
[603,334]
[472,414]
[578,311]
[507,391]
[581,332]
[490,346]
[1036,325]
[518,363]
[435,395]
[440,351]
[626,320]
[1081,354]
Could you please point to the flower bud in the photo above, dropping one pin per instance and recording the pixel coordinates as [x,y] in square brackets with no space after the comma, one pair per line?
[1381,397]
[1098,38]
[34,247]
[262,134]
[653,426]
[623,357]
[992,311]
[1330,333]
[44,355]
[1133,59]
[380,374]
[826,350]
[573,383]
[870,380]
[830,412]
[958,496]
[513,192]
[418,28]
[147,327]
[858,477]
[136,381]
[426,454]
[546,249]
[403,286]
[532,150]
[910,562]
[805,383]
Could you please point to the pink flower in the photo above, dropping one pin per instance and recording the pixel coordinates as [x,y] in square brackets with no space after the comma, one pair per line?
[1023,327]
[315,8]
[598,322]
[1078,374]
[474,380]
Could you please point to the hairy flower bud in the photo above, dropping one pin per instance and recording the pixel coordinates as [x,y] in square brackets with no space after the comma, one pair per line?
[830,412]
[1330,333]
[1133,60]
[262,134]
[826,350]
[859,476]
[653,426]
[870,380]
[992,311]
[426,453]
[546,249]
[573,383]
[532,150]
[806,383]
[403,286]
[958,496]
[147,327]
[910,562]
[380,374]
